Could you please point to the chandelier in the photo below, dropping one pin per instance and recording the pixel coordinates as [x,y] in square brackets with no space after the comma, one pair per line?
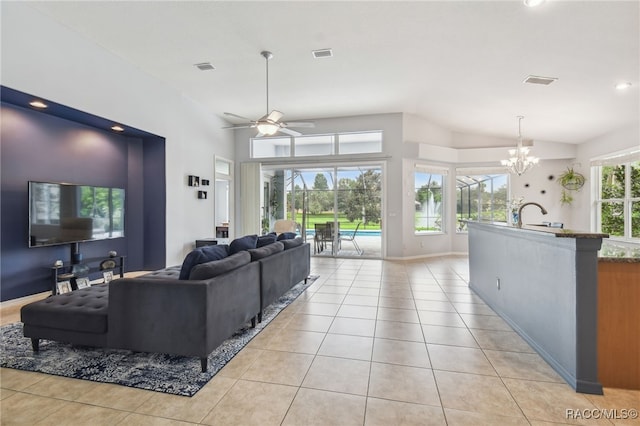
[519,159]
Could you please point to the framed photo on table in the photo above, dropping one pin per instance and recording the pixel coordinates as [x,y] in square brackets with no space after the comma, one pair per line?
[64,287]
[83,282]
[108,276]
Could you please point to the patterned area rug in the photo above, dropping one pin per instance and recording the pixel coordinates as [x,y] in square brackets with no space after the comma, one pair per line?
[158,372]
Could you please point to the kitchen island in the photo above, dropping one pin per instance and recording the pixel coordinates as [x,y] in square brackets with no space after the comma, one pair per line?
[544,283]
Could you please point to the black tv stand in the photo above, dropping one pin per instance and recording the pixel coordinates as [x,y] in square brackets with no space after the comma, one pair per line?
[76,256]
[64,272]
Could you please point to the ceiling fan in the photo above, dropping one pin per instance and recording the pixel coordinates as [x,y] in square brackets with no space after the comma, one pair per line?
[270,123]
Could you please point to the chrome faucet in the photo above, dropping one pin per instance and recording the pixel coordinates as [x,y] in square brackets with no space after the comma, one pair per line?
[542,209]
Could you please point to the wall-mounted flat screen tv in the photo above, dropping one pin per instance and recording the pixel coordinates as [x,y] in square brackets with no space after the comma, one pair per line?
[62,213]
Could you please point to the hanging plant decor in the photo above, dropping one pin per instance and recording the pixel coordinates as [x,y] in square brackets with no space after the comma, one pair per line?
[570,180]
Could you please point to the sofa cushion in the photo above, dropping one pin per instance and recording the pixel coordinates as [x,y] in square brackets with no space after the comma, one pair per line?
[83,310]
[286,236]
[171,272]
[292,243]
[202,255]
[207,270]
[264,240]
[243,243]
[261,252]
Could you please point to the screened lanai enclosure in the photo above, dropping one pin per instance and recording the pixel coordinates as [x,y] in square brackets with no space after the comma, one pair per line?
[481,197]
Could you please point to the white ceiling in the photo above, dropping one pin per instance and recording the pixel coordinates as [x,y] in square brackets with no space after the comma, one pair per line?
[458,64]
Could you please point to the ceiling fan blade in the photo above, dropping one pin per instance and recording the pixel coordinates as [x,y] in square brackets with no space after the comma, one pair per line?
[245,126]
[236,116]
[289,132]
[299,124]
[274,116]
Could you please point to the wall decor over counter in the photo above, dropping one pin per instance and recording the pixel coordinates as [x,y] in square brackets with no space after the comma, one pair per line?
[570,180]
[194,180]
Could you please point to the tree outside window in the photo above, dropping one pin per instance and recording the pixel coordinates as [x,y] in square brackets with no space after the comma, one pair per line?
[481,197]
[619,199]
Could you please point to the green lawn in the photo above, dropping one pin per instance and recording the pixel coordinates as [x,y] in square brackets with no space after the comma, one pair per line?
[328,217]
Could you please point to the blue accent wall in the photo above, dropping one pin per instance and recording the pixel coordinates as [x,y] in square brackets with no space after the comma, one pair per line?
[44,147]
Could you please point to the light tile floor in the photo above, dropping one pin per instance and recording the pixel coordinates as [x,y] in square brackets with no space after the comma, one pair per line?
[371,342]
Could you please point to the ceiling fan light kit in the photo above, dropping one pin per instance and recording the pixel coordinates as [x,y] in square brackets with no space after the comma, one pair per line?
[269,124]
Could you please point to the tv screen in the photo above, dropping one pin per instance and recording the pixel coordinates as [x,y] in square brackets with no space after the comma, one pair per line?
[61,213]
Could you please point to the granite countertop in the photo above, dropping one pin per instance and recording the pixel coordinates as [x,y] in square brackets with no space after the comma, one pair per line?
[613,251]
[557,232]
[564,233]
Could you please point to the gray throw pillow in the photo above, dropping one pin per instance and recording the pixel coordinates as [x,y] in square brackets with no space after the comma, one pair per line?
[207,270]
[262,252]
[292,243]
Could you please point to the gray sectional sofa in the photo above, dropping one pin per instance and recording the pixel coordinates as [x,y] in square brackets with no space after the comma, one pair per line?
[159,312]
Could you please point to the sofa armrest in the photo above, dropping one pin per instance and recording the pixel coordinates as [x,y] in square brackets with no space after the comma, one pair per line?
[300,263]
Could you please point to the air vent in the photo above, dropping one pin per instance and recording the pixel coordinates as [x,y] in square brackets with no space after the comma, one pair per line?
[322,53]
[205,66]
[536,79]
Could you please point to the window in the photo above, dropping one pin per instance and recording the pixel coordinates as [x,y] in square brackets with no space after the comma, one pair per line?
[271,147]
[306,146]
[480,197]
[360,143]
[429,200]
[316,145]
[617,201]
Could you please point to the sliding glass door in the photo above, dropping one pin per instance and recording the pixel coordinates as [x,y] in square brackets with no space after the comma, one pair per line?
[338,209]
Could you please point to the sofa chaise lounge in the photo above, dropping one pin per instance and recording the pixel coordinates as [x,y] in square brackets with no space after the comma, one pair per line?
[159,312]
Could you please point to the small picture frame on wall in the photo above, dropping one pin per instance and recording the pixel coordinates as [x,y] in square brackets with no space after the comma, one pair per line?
[108,276]
[64,287]
[83,282]
[204,182]
[194,180]
[202,195]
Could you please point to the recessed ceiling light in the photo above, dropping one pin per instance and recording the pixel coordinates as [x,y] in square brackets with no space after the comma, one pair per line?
[623,86]
[533,3]
[117,128]
[205,66]
[322,53]
[38,104]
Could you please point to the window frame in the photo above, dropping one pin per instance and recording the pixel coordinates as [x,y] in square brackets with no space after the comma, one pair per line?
[335,145]
[621,159]
[492,174]
[443,173]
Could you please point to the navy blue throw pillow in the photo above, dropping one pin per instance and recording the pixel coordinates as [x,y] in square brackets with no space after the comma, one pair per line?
[243,243]
[194,258]
[216,252]
[202,255]
[286,236]
[265,240]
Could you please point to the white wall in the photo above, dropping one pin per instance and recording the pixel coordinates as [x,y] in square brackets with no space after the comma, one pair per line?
[46,59]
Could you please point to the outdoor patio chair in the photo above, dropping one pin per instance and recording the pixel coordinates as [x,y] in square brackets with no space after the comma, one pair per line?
[284,225]
[352,238]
